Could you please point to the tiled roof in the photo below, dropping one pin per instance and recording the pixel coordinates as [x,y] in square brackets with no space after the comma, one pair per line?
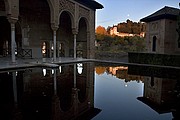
[164,13]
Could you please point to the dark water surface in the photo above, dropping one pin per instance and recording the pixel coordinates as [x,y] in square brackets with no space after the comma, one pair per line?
[87,91]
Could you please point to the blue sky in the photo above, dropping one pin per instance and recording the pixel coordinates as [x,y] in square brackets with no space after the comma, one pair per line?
[116,11]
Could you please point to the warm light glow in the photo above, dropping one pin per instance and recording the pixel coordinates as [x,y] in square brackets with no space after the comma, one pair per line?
[60,69]
[52,71]
[80,68]
[52,48]
[44,48]
[44,72]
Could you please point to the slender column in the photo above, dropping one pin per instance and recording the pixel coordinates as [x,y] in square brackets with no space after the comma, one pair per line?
[74,45]
[12,21]
[54,28]
[54,45]
[75,32]
[13,43]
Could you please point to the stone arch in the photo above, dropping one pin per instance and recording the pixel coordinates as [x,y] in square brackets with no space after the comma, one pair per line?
[36,26]
[70,15]
[52,11]
[5,30]
[5,36]
[7,6]
[64,33]
[18,35]
[82,37]
[86,21]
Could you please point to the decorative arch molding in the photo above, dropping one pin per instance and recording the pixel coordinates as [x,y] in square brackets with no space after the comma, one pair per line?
[85,20]
[51,10]
[83,12]
[53,13]
[69,7]
[7,6]
[70,15]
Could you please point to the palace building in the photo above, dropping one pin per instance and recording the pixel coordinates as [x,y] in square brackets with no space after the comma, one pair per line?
[161,31]
[47,28]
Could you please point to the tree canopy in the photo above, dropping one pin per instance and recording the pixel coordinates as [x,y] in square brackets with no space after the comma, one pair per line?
[131,27]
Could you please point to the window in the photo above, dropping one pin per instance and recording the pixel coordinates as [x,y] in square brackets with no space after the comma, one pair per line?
[154,44]
[44,48]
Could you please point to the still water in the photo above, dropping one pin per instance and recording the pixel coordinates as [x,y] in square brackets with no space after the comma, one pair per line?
[87,91]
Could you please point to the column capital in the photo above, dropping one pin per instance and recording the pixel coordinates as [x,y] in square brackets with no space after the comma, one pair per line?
[74,31]
[12,20]
[54,27]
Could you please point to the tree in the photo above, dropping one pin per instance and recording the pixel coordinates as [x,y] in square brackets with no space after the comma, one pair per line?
[101,30]
[131,27]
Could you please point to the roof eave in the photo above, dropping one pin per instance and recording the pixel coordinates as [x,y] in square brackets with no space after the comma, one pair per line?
[164,16]
[91,4]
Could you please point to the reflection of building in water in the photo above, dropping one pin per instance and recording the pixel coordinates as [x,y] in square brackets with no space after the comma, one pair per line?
[100,70]
[58,94]
[120,72]
[159,93]
[161,88]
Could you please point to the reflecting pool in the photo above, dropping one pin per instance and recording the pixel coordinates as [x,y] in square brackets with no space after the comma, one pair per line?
[85,91]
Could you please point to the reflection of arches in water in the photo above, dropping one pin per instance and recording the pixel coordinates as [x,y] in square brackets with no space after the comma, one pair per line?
[82,82]
[154,43]
[65,82]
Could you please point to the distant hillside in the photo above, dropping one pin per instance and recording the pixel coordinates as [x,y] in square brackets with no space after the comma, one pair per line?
[129,27]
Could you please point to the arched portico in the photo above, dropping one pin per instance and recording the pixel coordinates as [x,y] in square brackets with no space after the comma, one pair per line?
[64,34]
[5,36]
[82,38]
[35,21]
[36,27]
